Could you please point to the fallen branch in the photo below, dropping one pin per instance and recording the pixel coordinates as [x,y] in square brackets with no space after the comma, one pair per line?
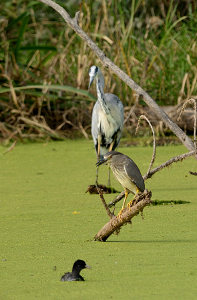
[116,222]
[192,101]
[73,23]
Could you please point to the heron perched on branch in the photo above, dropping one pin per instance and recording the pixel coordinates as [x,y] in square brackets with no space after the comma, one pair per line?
[126,172]
[107,118]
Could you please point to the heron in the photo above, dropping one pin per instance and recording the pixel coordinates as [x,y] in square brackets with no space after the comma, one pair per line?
[107,118]
[126,172]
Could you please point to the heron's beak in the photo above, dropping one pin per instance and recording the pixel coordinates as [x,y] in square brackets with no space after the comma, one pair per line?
[90,82]
[101,161]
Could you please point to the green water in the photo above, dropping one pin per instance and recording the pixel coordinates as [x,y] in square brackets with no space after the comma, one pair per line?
[47,221]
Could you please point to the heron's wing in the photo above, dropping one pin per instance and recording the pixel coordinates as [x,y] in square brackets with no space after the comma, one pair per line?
[116,108]
[117,114]
[134,174]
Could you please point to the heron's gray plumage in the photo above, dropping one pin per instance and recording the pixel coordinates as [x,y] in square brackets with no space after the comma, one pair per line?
[108,126]
[126,172]
[107,115]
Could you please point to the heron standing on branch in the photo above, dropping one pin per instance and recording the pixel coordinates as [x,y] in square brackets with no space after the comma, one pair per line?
[107,118]
[126,172]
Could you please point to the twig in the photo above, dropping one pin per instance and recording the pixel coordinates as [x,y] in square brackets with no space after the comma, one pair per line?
[117,199]
[155,170]
[10,148]
[72,22]
[169,162]
[110,214]
[154,142]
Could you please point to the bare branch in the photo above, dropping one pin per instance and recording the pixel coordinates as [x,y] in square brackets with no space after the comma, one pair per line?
[117,199]
[116,223]
[111,215]
[122,75]
[155,170]
[169,162]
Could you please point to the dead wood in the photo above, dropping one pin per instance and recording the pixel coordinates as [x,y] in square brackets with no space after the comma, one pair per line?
[94,189]
[185,122]
[193,173]
[110,214]
[73,23]
[116,222]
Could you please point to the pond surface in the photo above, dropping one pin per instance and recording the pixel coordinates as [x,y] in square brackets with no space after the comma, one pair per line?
[47,221]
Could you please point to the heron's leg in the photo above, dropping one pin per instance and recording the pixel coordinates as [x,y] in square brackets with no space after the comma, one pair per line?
[96,181]
[110,149]
[111,146]
[123,205]
[98,157]
[130,202]
[109,181]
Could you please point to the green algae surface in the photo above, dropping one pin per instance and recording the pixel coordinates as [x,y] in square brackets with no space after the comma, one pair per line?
[47,221]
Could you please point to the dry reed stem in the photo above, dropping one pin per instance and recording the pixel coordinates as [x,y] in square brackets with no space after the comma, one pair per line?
[154,142]
[10,148]
[44,127]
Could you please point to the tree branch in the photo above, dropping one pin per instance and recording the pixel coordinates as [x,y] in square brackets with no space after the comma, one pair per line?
[153,171]
[168,163]
[73,23]
[116,222]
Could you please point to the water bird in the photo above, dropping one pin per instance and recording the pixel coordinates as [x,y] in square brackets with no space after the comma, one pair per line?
[107,118]
[126,172]
[75,274]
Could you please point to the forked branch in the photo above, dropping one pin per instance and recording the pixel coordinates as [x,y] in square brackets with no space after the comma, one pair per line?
[117,222]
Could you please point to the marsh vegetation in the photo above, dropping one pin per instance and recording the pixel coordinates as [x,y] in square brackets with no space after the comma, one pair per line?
[155,44]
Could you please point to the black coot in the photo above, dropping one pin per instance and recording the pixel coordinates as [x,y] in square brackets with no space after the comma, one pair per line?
[74,275]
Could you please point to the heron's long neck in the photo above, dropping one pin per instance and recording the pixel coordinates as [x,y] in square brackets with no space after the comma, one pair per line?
[100,95]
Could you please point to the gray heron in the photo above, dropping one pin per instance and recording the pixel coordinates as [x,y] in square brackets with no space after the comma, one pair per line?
[126,172]
[107,118]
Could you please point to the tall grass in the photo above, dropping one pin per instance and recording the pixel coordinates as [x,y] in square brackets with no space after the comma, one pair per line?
[154,42]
